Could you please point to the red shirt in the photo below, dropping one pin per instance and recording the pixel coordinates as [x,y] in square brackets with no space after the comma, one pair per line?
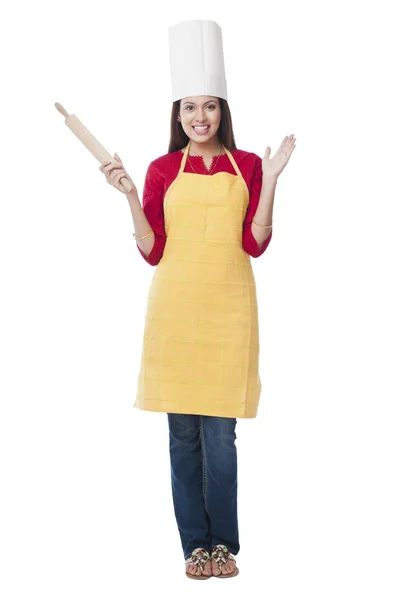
[163,171]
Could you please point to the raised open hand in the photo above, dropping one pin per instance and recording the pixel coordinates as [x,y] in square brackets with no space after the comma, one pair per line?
[272,167]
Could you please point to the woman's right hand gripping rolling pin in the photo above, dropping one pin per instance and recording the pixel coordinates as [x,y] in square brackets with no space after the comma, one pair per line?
[114,171]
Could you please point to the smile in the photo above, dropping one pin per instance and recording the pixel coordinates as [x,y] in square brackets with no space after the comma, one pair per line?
[199,129]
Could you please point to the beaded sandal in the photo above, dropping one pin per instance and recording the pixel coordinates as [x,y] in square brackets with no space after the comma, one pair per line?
[221,555]
[199,557]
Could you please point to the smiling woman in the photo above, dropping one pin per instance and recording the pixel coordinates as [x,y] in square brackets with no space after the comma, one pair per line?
[200,355]
[207,209]
[200,115]
[190,115]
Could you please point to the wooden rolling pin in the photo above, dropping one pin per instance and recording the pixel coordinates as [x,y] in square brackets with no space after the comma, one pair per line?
[89,141]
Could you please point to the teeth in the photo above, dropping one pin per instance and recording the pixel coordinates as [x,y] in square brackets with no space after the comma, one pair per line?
[201,128]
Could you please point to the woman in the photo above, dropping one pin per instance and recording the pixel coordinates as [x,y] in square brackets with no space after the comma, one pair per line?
[207,207]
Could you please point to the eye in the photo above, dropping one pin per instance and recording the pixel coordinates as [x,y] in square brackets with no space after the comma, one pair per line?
[209,106]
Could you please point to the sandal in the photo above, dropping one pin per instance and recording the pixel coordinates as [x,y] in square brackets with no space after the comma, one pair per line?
[221,555]
[199,557]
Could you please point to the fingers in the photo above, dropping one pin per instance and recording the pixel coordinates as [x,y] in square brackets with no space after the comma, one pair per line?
[291,144]
[287,143]
[290,140]
[105,163]
[113,172]
[117,175]
[108,165]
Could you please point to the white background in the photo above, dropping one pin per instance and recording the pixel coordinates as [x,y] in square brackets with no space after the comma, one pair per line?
[86,504]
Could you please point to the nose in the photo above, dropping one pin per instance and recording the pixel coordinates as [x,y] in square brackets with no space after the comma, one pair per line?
[200,116]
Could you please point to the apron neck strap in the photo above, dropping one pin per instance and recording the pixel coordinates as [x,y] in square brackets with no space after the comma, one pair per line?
[184,159]
[187,149]
[233,162]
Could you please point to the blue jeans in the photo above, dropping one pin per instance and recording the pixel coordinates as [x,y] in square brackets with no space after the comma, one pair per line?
[203,459]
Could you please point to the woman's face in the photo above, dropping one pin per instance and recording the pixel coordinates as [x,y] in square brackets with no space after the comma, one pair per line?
[200,111]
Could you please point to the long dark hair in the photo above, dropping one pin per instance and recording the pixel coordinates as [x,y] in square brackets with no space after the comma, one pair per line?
[179,139]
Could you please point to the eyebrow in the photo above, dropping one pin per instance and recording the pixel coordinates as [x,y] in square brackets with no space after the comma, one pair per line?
[207,102]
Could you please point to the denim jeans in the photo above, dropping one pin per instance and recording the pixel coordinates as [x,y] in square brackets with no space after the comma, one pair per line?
[203,459]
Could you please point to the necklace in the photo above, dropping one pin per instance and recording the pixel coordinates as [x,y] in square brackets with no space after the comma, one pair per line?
[209,172]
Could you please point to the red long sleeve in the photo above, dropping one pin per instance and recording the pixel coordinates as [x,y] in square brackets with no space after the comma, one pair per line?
[153,195]
[163,171]
[249,243]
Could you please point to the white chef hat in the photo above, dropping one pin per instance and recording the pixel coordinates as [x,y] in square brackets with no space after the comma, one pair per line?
[196,59]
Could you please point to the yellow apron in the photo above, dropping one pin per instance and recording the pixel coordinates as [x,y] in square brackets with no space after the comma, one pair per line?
[201,339]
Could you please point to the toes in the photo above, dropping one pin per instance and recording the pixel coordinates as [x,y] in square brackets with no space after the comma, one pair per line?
[196,570]
[227,568]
